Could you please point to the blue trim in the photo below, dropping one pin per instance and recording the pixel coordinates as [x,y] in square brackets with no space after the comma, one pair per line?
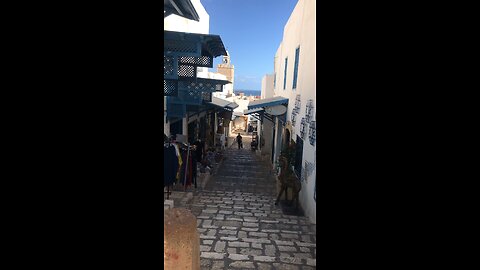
[268,102]
[295,68]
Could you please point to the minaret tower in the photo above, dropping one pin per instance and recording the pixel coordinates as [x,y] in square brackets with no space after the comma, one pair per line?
[227,69]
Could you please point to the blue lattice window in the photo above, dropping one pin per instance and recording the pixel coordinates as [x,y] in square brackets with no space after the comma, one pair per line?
[295,68]
[312,133]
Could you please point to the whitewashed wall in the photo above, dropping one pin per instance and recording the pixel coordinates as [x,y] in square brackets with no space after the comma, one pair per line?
[300,30]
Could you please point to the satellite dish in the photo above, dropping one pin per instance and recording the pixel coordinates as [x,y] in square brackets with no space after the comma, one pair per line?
[276,110]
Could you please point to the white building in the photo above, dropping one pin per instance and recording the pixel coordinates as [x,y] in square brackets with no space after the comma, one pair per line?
[295,79]
[180,24]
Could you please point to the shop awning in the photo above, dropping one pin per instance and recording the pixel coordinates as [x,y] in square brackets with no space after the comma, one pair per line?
[268,102]
[192,44]
[183,8]
[224,104]
[252,111]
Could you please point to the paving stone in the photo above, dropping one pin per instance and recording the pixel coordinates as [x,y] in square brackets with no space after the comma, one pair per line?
[264,258]
[205,248]
[229,228]
[284,243]
[207,242]
[289,236]
[303,244]
[202,236]
[255,240]
[225,212]
[229,238]
[312,262]
[257,245]
[212,232]
[305,249]
[220,246]
[271,231]
[303,255]
[218,265]
[234,219]
[250,251]
[212,255]
[229,232]
[231,250]
[287,248]
[273,236]
[292,232]
[205,263]
[291,260]
[306,238]
[242,234]
[258,234]
[264,266]
[250,224]
[238,257]
[241,264]
[238,244]
[269,221]
[282,266]
[250,229]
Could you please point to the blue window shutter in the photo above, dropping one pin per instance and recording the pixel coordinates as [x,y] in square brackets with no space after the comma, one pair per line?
[285,74]
[295,68]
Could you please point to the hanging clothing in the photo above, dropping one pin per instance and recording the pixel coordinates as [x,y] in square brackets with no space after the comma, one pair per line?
[170,165]
[180,162]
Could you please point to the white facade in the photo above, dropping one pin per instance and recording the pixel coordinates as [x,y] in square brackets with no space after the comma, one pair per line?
[180,24]
[267,86]
[299,32]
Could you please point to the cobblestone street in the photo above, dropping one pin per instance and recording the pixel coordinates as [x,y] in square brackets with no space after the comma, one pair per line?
[240,227]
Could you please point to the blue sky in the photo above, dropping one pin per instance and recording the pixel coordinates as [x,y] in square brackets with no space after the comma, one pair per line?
[251,30]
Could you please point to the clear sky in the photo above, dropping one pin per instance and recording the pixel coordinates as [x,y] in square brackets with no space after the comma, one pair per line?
[251,30]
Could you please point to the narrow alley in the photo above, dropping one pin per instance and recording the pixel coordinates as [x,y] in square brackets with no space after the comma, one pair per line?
[239,224]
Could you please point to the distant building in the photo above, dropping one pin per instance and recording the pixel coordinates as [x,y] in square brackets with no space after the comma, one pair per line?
[267,86]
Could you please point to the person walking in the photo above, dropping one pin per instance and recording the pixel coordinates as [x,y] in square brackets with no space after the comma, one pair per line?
[239,141]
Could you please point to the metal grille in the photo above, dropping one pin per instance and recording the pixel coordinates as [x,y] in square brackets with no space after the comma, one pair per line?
[179,46]
[303,128]
[312,133]
[206,96]
[201,86]
[190,97]
[309,111]
[202,61]
[170,88]
[168,68]
[187,71]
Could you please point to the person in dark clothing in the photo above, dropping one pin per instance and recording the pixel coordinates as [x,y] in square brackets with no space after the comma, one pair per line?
[239,141]
[200,145]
